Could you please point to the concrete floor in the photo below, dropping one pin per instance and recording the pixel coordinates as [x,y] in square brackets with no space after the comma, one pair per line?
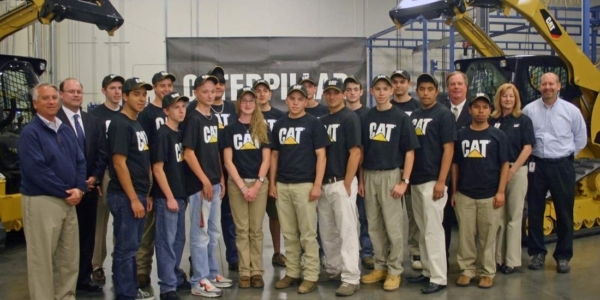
[581,283]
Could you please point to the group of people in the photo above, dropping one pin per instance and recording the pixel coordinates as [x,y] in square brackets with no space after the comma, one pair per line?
[352,168]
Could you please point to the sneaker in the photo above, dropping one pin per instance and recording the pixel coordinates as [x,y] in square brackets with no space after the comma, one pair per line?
[169,296]
[221,282]
[392,282]
[141,295]
[416,262]
[347,289]
[324,277]
[278,259]
[184,286]
[98,276]
[205,288]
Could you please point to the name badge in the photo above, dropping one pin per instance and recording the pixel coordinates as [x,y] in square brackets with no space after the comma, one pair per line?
[531,167]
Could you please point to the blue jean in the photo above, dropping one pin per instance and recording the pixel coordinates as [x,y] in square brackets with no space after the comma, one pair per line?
[366,247]
[127,232]
[228,226]
[169,241]
[204,237]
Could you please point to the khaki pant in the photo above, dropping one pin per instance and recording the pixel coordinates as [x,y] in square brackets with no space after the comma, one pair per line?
[510,223]
[429,215]
[385,217]
[52,236]
[413,228]
[297,217]
[248,218]
[143,257]
[477,229]
[102,215]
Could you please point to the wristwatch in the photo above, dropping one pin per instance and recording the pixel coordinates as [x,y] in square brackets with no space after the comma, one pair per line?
[261,179]
[405,181]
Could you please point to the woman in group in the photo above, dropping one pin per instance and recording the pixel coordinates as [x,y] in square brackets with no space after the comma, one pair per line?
[519,130]
[247,155]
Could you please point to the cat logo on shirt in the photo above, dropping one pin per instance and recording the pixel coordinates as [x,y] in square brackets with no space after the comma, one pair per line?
[270,122]
[142,141]
[245,142]
[421,125]
[178,152]
[290,136]
[210,134]
[380,132]
[159,122]
[223,120]
[475,148]
[332,132]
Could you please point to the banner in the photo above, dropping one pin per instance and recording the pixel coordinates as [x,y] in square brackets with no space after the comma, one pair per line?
[280,60]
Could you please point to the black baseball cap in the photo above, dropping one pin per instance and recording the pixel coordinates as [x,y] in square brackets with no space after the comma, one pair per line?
[402,73]
[480,96]
[333,83]
[379,78]
[245,90]
[203,78]
[427,78]
[261,81]
[135,83]
[351,79]
[162,75]
[172,98]
[218,72]
[307,78]
[298,87]
[112,78]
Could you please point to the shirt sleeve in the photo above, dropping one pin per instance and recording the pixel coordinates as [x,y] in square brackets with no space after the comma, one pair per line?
[447,130]
[119,136]
[275,138]
[191,133]
[579,131]
[527,134]
[228,136]
[270,138]
[408,137]
[352,130]
[159,150]
[319,135]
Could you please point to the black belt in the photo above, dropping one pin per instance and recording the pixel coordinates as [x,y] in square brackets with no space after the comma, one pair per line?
[553,160]
[380,170]
[332,179]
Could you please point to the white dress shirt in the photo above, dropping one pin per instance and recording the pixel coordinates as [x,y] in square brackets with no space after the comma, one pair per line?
[52,125]
[458,107]
[70,115]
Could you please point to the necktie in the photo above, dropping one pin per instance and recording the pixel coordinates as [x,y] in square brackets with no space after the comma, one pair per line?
[455,112]
[79,131]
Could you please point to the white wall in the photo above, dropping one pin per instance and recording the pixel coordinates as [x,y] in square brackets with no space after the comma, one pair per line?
[138,47]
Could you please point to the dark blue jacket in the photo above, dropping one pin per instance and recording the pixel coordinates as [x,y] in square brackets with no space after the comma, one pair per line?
[51,162]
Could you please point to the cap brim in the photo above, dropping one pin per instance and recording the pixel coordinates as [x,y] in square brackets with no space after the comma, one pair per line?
[261,83]
[170,76]
[217,70]
[212,78]
[147,86]
[297,90]
[489,101]
[307,80]
[398,74]
[350,80]
[332,88]
[182,98]
[427,78]
[388,81]
[116,78]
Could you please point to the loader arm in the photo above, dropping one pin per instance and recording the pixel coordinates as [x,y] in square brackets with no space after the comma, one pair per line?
[473,34]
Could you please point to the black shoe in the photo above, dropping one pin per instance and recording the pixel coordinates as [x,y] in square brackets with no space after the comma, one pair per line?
[499,267]
[184,286]
[89,287]
[143,281]
[563,266]
[169,296]
[418,279]
[234,266]
[507,270]
[537,261]
[432,288]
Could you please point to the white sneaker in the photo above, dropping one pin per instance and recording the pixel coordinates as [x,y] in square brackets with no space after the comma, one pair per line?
[221,282]
[205,288]
[416,262]
[141,295]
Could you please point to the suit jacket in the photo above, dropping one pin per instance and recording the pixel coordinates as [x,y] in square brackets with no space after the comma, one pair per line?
[95,152]
[464,118]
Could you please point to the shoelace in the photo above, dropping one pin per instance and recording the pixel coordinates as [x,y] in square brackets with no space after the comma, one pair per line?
[345,284]
[143,294]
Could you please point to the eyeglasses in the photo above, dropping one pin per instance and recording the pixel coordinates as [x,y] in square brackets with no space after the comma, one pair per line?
[247,101]
[77,92]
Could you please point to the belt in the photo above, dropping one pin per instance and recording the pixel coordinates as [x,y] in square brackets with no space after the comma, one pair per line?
[553,160]
[332,179]
[381,170]
[249,179]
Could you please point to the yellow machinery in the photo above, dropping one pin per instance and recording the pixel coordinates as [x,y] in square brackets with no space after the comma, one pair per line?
[579,76]
[19,74]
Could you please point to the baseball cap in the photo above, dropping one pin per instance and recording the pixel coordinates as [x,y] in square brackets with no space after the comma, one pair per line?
[172,98]
[381,77]
[298,87]
[162,75]
[427,78]
[351,79]
[306,78]
[111,78]
[218,72]
[135,83]
[333,83]
[261,81]
[245,90]
[203,78]
[402,73]
[480,96]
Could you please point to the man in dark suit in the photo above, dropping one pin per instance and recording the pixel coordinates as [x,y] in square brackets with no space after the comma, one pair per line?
[90,138]
[457,85]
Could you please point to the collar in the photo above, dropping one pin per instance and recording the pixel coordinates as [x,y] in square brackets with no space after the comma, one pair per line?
[70,113]
[52,125]
[459,106]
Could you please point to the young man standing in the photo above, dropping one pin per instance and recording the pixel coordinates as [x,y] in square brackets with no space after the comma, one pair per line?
[111,88]
[337,205]
[169,196]
[271,115]
[479,177]
[129,169]
[389,141]
[353,92]
[313,107]
[206,185]
[434,127]
[297,168]
[151,119]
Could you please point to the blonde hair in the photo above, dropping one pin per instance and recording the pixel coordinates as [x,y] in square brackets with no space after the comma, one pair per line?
[516,112]
[463,75]
[258,125]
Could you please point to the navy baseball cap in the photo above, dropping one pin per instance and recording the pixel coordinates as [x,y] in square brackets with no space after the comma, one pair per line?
[379,78]
[218,72]
[298,87]
[245,90]
[351,79]
[480,96]
[427,78]
[162,75]
[112,78]
[333,83]
[172,98]
[307,78]
[402,73]
[261,81]
[135,83]
[203,78]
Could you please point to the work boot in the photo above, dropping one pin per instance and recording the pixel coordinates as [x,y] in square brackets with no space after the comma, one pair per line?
[392,282]
[278,259]
[285,282]
[463,280]
[486,282]
[537,261]
[374,276]
[307,287]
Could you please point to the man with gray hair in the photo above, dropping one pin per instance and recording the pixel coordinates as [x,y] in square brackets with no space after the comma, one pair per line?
[53,181]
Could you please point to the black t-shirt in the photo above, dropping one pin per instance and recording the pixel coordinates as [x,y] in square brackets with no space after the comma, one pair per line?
[386,137]
[297,140]
[201,135]
[363,109]
[343,128]
[273,116]
[519,132]
[434,127]
[317,111]
[247,153]
[105,114]
[225,114]
[167,148]
[127,137]
[151,118]
[479,156]
[409,106]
